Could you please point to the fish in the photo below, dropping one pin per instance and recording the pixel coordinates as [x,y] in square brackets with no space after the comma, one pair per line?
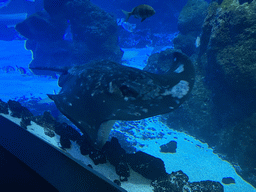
[8,69]
[21,70]
[142,11]
[68,36]
[95,95]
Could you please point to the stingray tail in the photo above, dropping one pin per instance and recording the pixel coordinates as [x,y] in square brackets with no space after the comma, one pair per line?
[182,66]
[52,97]
[127,15]
[181,72]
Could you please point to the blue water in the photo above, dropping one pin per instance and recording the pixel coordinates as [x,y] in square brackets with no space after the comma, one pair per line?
[193,157]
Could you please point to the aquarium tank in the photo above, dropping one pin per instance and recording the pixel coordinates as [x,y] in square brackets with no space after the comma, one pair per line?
[149,95]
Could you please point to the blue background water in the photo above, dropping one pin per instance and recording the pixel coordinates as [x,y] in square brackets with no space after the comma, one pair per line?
[14,85]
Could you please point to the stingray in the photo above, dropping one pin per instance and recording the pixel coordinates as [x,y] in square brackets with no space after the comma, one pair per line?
[95,95]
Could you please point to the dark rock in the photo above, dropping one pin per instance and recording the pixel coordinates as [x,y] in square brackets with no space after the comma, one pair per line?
[116,155]
[17,110]
[94,36]
[207,186]
[90,25]
[97,157]
[123,139]
[66,131]
[113,151]
[41,27]
[179,182]
[51,57]
[54,7]
[3,107]
[228,41]
[228,180]
[89,165]
[31,44]
[26,120]
[46,120]
[190,23]
[24,123]
[169,147]
[174,182]
[122,169]
[148,166]
[186,43]
[227,54]
[192,16]
[20,112]
[49,133]
[65,142]
[85,147]
[117,182]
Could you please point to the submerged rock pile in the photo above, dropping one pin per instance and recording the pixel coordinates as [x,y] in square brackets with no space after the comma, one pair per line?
[190,22]
[179,182]
[148,166]
[67,33]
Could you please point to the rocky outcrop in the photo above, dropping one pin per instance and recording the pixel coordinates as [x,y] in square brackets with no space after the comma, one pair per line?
[228,44]
[192,16]
[190,21]
[179,182]
[238,144]
[69,33]
[227,54]
[225,78]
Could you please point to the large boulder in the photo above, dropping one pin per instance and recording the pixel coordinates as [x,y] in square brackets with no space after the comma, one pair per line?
[192,16]
[190,23]
[69,33]
[228,44]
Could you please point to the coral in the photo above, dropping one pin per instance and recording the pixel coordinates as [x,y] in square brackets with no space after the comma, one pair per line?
[229,42]
[179,182]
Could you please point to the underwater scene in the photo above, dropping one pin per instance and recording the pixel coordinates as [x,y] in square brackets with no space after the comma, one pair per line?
[154,95]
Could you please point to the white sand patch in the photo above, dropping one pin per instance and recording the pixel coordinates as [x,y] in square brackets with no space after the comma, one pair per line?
[136,57]
[194,158]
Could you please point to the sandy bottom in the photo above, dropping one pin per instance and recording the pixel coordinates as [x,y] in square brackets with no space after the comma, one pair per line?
[192,157]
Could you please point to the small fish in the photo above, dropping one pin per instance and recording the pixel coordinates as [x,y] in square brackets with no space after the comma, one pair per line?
[4,3]
[21,70]
[68,36]
[8,69]
[141,11]
[127,26]
[198,42]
